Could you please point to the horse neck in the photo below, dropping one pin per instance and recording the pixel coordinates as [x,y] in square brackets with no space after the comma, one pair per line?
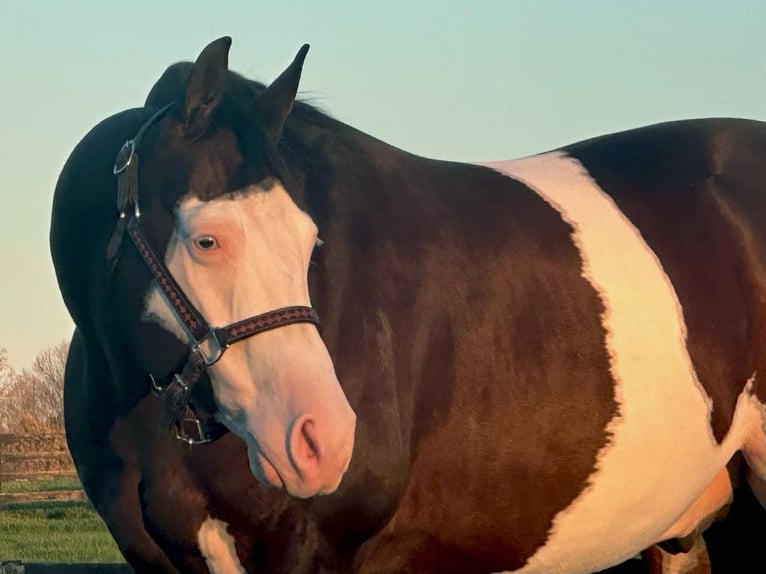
[354,185]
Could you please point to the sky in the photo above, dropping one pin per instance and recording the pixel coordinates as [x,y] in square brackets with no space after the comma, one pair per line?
[474,80]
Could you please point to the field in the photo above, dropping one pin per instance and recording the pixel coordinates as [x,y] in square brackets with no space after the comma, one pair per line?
[65,529]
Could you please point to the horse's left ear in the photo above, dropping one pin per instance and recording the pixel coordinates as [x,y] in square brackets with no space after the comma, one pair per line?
[277,100]
[204,89]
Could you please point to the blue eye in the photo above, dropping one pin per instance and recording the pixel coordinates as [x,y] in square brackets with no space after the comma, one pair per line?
[206,242]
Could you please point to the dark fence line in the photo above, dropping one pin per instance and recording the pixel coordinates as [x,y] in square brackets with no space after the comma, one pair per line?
[33,458]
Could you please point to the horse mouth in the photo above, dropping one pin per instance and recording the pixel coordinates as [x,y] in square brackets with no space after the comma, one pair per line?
[268,472]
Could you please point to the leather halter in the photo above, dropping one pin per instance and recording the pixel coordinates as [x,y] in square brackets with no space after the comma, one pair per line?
[209,342]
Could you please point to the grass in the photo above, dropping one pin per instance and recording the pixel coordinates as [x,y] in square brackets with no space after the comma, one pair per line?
[66,531]
[56,483]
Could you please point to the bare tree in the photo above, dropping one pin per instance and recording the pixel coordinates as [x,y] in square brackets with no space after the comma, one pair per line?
[32,401]
[6,372]
[7,376]
[48,375]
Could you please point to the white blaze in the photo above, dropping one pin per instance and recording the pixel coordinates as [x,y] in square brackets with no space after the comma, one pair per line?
[265,242]
[236,257]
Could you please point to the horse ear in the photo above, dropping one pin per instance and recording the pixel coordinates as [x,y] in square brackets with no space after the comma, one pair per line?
[277,100]
[204,89]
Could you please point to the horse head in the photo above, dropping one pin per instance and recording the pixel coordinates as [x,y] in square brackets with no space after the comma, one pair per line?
[221,211]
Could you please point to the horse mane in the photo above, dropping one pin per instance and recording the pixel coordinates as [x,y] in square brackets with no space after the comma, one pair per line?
[171,84]
[312,140]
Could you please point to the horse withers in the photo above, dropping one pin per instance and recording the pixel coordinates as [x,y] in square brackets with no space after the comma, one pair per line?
[549,362]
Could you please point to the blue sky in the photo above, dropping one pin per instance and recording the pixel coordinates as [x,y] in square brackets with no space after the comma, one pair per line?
[472,81]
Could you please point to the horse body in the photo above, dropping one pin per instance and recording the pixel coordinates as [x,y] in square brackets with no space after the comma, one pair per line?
[551,360]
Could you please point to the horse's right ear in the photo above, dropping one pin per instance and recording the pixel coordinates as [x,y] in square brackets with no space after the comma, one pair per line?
[277,100]
[204,89]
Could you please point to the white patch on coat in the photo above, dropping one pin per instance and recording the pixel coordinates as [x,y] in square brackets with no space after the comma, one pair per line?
[218,548]
[701,514]
[661,454]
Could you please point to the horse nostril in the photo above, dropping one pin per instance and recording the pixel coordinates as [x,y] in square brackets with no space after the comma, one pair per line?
[308,431]
[306,451]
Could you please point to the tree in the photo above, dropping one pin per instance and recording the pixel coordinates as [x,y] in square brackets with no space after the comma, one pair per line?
[48,384]
[6,372]
[32,401]
[7,377]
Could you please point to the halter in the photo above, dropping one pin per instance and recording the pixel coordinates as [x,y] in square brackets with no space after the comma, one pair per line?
[210,343]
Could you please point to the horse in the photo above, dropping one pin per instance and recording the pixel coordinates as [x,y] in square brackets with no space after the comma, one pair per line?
[300,349]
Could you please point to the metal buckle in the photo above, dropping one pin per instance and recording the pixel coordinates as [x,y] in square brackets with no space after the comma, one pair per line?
[125,155]
[178,378]
[183,437]
[210,348]
[180,433]
[156,387]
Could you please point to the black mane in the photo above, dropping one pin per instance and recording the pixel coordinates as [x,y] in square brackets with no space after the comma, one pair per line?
[170,85]
[309,145]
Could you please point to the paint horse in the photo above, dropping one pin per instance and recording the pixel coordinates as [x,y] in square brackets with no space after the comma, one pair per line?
[533,366]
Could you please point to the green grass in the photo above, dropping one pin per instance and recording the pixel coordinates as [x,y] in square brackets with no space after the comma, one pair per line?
[56,483]
[68,531]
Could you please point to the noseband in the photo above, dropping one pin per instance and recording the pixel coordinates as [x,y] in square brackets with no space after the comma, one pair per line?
[210,343]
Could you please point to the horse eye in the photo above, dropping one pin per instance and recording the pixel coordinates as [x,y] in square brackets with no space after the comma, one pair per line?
[206,242]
